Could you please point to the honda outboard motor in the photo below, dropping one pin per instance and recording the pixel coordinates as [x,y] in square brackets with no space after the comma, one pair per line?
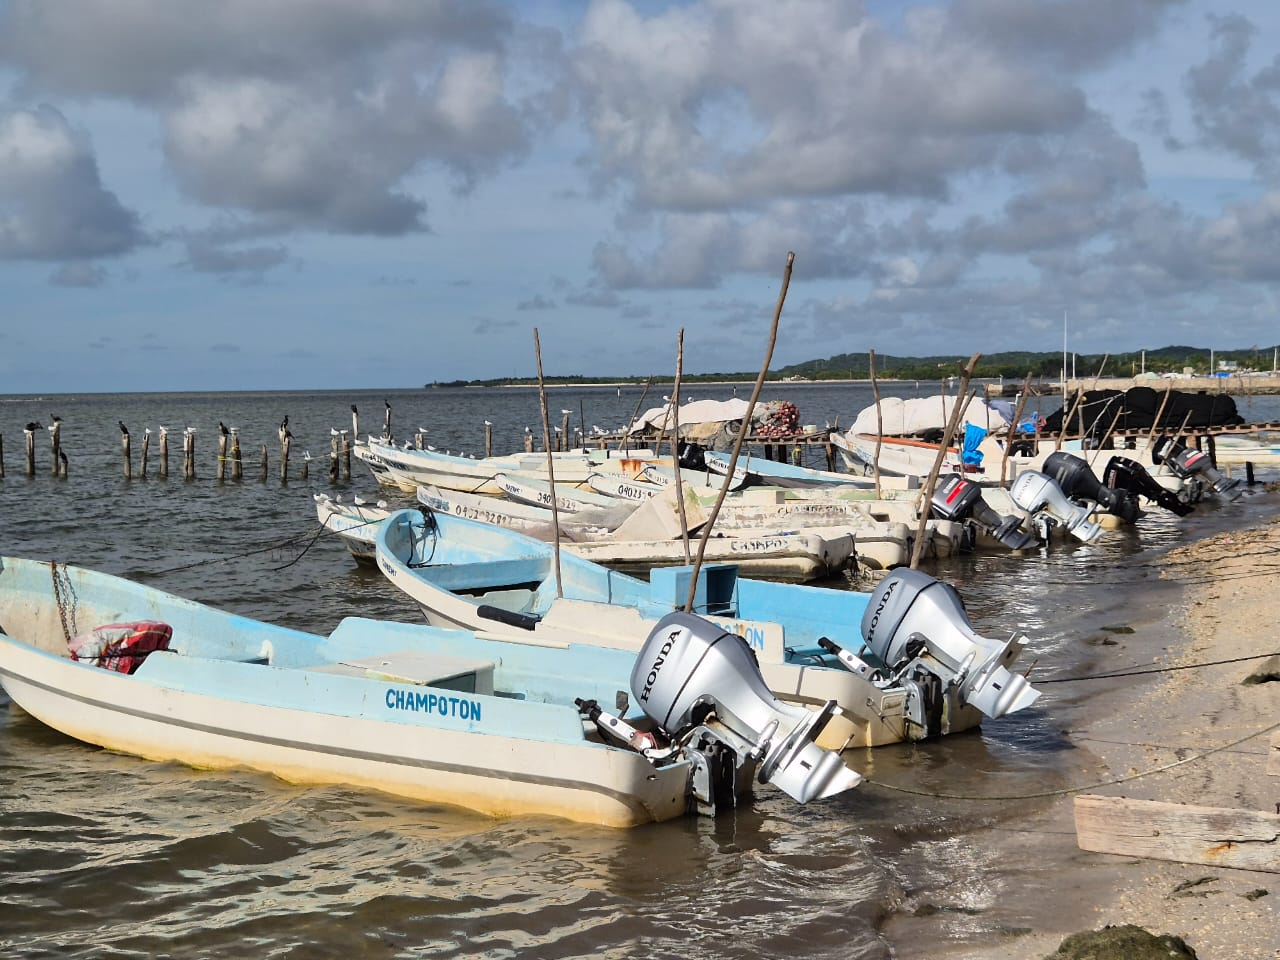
[701,684]
[1125,474]
[1188,462]
[1078,482]
[1036,493]
[917,626]
[955,498]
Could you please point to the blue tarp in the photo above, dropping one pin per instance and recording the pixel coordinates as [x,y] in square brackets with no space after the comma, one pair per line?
[972,437]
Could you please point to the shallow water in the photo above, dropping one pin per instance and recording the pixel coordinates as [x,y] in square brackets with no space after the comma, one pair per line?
[109,856]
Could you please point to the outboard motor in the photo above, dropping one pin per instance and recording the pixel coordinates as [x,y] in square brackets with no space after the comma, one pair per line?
[1187,462]
[1125,474]
[1078,482]
[917,626]
[702,685]
[1036,493]
[955,498]
[690,456]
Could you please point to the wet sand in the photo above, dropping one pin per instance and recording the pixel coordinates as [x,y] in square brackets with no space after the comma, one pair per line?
[1038,886]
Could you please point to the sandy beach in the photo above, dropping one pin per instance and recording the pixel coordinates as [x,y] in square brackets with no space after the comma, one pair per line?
[1043,887]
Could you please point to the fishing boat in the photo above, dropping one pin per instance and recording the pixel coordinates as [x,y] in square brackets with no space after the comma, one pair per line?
[354,522]
[773,473]
[570,495]
[441,716]
[813,644]
[407,466]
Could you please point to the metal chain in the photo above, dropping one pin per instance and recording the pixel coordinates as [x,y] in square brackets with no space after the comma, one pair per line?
[65,595]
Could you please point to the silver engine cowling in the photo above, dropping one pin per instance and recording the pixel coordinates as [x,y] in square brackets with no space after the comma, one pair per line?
[913,622]
[1037,494]
[695,679]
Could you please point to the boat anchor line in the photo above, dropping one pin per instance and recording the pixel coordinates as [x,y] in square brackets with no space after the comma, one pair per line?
[1068,791]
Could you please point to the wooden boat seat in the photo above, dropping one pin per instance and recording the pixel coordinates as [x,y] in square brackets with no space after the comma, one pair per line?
[463,674]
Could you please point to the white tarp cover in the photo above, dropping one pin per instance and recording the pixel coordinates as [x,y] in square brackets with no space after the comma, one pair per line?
[905,418]
[701,411]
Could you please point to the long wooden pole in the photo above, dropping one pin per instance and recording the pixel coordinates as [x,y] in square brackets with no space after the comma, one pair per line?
[624,443]
[675,443]
[956,412]
[742,433]
[875,394]
[551,468]
[1013,429]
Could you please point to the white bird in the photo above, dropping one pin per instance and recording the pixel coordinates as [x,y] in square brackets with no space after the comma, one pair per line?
[431,448]
[306,454]
[146,430]
[566,412]
[333,432]
[424,429]
[355,498]
[527,430]
[488,423]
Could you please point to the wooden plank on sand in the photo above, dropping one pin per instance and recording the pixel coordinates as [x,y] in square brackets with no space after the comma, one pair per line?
[1240,839]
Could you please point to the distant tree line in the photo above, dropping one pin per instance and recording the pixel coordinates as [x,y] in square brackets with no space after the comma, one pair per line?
[1014,364]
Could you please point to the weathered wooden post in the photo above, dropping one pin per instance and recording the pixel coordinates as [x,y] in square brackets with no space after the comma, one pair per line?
[528,440]
[346,447]
[189,453]
[264,463]
[306,461]
[285,437]
[124,447]
[333,456]
[488,439]
[419,440]
[62,463]
[164,452]
[1,456]
[146,448]
[29,431]
[386,424]
[223,434]
[355,422]
[237,461]
[55,445]
[564,430]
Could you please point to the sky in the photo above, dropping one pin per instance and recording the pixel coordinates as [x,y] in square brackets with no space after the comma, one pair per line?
[321,194]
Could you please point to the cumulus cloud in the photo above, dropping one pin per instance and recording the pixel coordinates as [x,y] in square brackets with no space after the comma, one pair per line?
[53,205]
[305,115]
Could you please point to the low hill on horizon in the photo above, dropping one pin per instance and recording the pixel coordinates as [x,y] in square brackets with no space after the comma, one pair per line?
[1013,364]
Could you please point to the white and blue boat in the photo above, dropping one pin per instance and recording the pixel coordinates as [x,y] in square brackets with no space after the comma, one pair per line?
[760,470]
[442,716]
[813,644]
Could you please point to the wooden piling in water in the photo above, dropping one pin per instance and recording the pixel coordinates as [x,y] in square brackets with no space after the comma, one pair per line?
[30,435]
[237,462]
[284,458]
[62,464]
[264,463]
[124,449]
[164,453]
[55,445]
[333,456]
[1,456]
[146,448]
[386,423]
[223,434]
[346,447]
[306,461]
[189,453]
[564,430]
[488,439]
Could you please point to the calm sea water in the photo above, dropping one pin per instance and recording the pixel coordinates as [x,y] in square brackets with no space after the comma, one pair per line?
[109,856]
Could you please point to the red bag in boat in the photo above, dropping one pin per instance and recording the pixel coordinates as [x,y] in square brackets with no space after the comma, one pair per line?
[121,646]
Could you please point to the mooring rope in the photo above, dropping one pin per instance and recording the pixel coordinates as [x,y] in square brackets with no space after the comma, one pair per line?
[1143,672]
[1067,791]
